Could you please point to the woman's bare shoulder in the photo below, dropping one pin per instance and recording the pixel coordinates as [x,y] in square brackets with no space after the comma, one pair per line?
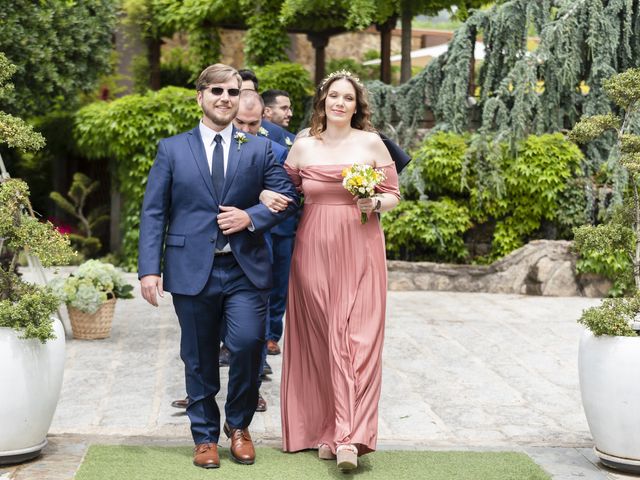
[368,138]
[300,150]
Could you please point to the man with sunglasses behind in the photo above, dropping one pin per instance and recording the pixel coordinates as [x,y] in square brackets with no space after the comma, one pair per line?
[203,222]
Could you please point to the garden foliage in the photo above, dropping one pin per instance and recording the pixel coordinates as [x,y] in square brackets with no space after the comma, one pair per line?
[58,48]
[613,247]
[445,200]
[128,130]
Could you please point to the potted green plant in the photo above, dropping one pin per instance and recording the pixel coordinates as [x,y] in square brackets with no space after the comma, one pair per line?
[90,294]
[32,343]
[610,347]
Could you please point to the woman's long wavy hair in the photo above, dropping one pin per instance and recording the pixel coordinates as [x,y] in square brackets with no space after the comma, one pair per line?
[361,118]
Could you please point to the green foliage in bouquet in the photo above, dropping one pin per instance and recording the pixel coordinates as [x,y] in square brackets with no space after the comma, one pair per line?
[91,285]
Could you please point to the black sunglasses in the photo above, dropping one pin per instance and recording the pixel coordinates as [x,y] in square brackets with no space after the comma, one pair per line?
[217,91]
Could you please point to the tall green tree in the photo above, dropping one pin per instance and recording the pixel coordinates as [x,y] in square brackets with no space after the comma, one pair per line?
[59,48]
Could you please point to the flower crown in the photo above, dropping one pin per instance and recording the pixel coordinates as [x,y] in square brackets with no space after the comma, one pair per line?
[340,73]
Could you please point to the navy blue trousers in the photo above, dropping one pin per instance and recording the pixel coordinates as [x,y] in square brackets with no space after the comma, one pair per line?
[228,299]
[282,250]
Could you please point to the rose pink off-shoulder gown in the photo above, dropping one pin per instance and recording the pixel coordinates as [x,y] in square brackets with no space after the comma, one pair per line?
[332,363]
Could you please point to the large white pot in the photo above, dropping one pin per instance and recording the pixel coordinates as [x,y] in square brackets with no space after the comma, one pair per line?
[30,382]
[609,369]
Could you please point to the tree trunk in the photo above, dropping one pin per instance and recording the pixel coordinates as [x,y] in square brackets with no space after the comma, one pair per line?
[115,230]
[406,47]
[153,46]
[385,48]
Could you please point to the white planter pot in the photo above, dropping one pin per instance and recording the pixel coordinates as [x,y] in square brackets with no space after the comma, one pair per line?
[30,382]
[610,387]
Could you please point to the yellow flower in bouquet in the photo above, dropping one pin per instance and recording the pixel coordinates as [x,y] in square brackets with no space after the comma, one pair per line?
[360,180]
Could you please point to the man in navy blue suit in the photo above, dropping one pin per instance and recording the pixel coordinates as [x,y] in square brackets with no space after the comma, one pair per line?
[203,222]
[277,115]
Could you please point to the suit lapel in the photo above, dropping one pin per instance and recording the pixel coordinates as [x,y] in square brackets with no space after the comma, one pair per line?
[197,149]
[235,155]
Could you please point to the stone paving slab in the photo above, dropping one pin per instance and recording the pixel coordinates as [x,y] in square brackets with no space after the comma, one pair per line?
[460,371]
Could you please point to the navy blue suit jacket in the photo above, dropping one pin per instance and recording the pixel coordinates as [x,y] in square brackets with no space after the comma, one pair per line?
[278,134]
[178,225]
[287,228]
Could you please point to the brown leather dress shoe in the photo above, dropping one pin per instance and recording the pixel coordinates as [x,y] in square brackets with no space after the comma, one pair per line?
[262,404]
[272,347]
[205,455]
[242,450]
[182,403]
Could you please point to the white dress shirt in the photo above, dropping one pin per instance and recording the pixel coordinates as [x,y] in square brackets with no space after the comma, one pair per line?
[207,138]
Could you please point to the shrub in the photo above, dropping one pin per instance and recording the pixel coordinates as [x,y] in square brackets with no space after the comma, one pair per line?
[426,230]
[128,130]
[518,193]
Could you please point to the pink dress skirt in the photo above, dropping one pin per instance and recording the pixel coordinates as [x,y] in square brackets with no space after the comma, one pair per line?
[332,357]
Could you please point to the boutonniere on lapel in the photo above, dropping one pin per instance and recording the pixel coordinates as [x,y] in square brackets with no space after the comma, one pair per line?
[288,141]
[241,138]
[263,132]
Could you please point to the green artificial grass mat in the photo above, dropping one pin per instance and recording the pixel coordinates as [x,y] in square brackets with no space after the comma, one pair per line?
[118,462]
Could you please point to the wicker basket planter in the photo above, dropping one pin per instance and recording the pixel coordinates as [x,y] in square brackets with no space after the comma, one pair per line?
[92,326]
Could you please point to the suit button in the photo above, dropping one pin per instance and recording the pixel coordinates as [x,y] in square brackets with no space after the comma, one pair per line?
[212,239]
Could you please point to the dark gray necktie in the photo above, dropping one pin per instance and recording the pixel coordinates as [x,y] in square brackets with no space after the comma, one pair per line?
[217,167]
[217,177]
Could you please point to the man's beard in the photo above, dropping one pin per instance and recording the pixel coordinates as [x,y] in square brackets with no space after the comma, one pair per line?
[217,118]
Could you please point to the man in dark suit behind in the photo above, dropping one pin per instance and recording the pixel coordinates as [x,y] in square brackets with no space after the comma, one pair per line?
[202,220]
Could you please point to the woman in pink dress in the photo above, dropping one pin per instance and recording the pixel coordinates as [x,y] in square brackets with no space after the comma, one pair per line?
[332,362]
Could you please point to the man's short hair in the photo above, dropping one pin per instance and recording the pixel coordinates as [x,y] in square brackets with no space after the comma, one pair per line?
[217,73]
[249,99]
[270,96]
[247,74]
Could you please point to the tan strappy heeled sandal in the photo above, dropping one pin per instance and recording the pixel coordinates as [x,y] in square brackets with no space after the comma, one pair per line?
[347,457]
[325,453]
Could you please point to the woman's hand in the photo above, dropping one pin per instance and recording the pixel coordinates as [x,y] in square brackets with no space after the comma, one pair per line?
[367,205]
[274,201]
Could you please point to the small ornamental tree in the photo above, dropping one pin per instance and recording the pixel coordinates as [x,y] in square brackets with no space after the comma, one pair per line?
[24,307]
[622,233]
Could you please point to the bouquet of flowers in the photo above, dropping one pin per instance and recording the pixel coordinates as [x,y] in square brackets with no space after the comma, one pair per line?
[360,180]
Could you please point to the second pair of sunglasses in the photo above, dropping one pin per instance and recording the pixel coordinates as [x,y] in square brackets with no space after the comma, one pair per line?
[217,91]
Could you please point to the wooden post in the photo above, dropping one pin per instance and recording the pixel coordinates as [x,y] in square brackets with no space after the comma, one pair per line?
[406,47]
[319,41]
[385,48]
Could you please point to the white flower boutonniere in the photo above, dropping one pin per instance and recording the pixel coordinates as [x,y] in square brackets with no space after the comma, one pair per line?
[263,132]
[240,138]
[288,141]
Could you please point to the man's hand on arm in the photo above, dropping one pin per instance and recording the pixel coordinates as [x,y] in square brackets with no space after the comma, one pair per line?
[149,285]
[274,201]
[232,220]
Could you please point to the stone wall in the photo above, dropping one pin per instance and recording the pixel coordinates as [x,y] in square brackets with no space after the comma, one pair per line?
[346,45]
[542,267]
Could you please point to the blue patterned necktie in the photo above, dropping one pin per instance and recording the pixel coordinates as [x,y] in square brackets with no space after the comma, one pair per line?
[217,177]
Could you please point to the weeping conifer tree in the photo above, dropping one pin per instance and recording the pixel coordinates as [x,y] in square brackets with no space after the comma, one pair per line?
[520,92]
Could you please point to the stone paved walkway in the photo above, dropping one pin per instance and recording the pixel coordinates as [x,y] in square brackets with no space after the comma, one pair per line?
[460,371]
